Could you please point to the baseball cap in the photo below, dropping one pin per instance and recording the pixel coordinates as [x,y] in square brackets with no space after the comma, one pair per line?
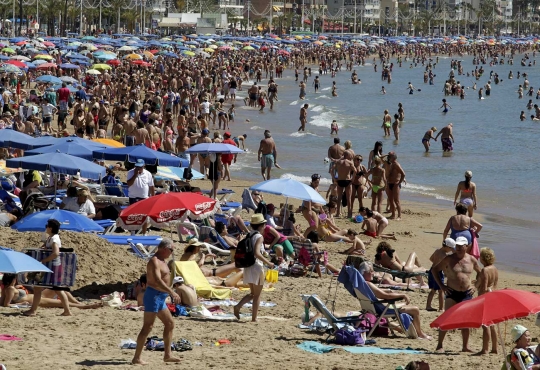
[461,240]
[517,331]
[205,131]
[449,242]
[178,280]
[139,163]
[227,134]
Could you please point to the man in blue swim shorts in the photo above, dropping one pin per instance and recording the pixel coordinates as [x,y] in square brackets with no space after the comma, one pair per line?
[158,278]
[267,155]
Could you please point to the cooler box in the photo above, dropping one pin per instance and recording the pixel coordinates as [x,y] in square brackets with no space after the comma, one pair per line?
[67,272]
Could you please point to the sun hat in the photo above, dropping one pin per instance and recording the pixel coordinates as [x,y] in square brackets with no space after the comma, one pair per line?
[139,163]
[461,240]
[468,173]
[517,331]
[178,280]
[449,242]
[195,242]
[434,128]
[257,219]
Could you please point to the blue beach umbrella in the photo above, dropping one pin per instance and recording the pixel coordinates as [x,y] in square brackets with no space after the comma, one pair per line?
[58,163]
[69,220]
[13,262]
[68,147]
[15,139]
[214,148]
[49,79]
[133,153]
[289,188]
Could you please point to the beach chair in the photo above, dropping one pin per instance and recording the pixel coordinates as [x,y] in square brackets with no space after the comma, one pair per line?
[335,322]
[187,230]
[140,250]
[193,275]
[152,241]
[224,194]
[306,256]
[108,225]
[382,308]
[213,242]
[403,275]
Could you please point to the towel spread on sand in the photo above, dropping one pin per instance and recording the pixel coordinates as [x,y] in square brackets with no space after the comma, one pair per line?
[319,348]
[7,337]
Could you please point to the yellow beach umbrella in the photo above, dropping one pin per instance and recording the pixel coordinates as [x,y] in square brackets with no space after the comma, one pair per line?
[148,54]
[188,53]
[109,142]
[133,56]
[213,46]
[43,56]
[101,66]
[209,50]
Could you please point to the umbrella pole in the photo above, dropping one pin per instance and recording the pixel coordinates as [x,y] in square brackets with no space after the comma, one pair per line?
[501,341]
[55,183]
[285,210]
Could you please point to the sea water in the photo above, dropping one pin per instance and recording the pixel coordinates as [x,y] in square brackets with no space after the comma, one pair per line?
[490,140]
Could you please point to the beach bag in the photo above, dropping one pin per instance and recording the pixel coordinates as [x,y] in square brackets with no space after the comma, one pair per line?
[475,250]
[113,300]
[368,322]
[272,276]
[245,254]
[188,174]
[304,257]
[350,338]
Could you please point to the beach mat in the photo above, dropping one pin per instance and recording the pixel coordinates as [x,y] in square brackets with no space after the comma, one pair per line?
[319,348]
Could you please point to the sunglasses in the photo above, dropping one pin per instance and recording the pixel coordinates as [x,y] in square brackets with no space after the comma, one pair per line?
[256,194]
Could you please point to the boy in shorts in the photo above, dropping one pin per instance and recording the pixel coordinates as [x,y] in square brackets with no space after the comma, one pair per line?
[448,247]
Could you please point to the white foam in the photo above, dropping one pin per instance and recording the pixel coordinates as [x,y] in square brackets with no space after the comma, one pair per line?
[326,88]
[294,102]
[323,97]
[256,128]
[317,108]
[305,179]
[300,134]
[424,190]
[323,120]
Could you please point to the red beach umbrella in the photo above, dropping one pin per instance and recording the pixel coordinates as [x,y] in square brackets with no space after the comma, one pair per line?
[167,207]
[17,63]
[114,62]
[46,65]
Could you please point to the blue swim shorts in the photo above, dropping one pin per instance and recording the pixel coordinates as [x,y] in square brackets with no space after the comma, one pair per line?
[154,300]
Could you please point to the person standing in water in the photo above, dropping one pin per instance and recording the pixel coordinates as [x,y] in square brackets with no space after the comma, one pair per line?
[303,117]
[445,105]
[334,88]
[428,136]
[447,139]
[302,90]
[316,83]
[387,123]
[395,126]
[411,88]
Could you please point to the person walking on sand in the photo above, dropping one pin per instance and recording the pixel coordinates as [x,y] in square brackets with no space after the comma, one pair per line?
[396,176]
[487,281]
[303,117]
[447,139]
[254,274]
[457,268]
[428,136]
[468,197]
[158,278]
[267,155]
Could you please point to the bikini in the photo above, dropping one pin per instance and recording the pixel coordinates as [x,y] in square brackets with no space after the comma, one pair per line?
[457,233]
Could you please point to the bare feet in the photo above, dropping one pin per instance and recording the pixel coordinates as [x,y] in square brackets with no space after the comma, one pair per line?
[425,336]
[439,350]
[430,309]
[29,313]
[237,312]
[68,313]
[138,361]
[466,350]
[480,353]
[172,359]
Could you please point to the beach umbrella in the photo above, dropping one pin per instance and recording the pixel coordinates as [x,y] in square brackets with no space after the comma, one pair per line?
[218,148]
[109,142]
[69,220]
[51,140]
[10,68]
[148,54]
[59,163]
[101,66]
[13,262]
[134,153]
[489,309]
[168,207]
[43,56]
[133,56]
[17,63]
[68,79]
[289,188]
[46,65]
[188,53]
[114,62]
[127,48]
[14,139]
[175,173]
[141,62]
[67,147]
[8,50]
[69,66]
[209,50]
[248,48]
[49,79]
[93,72]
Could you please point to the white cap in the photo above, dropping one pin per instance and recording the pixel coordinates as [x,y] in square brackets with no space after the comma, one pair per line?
[178,280]
[461,240]
[449,242]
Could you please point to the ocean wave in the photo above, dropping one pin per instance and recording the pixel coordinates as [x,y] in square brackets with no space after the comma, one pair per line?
[317,108]
[424,190]
[300,134]
[325,89]
[418,187]
[323,120]
[305,179]
[256,128]
[323,97]
[294,102]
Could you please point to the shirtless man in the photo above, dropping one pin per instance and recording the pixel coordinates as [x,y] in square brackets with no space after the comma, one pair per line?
[447,139]
[335,152]
[267,155]
[157,291]
[303,117]
[182,142]
[202,157]
[458,268]
[396,176]
[345,171]
[130,127]
[141,134]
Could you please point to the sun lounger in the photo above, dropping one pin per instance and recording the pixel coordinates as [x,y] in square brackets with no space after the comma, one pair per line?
[356,285]
[223,193]
[118,190]
[108,225]
[126,239]
[404,275]
[193,275]
[335,322]
[141,251]
[306,256]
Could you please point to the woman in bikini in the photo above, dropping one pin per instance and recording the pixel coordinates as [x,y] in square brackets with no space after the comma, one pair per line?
[462,225]
[375,153]
[374,224]
[388,258]
[359,180]
[387,123]
[468,197]
[378,184]
[328,233]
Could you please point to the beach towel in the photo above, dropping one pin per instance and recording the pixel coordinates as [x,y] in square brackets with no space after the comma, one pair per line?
[475,250]
[8,338]
[67,272]
[247,201]
[318,348]
[193,275]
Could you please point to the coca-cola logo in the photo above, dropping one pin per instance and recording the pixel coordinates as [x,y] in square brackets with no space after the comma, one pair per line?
[135,219]
[170,214]
[201,207]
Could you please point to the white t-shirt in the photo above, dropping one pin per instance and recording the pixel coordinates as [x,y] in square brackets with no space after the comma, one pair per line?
[141,186]
[47,109]
[206,107]
[49,243]
[87,208]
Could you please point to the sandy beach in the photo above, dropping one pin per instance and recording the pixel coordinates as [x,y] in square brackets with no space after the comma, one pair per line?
[91,338]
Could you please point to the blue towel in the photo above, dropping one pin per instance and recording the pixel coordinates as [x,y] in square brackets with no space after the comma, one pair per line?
[316,347]
[351,278]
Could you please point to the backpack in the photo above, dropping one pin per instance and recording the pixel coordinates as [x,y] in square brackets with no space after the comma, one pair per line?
[188,174]
[368,322]
[245,253]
